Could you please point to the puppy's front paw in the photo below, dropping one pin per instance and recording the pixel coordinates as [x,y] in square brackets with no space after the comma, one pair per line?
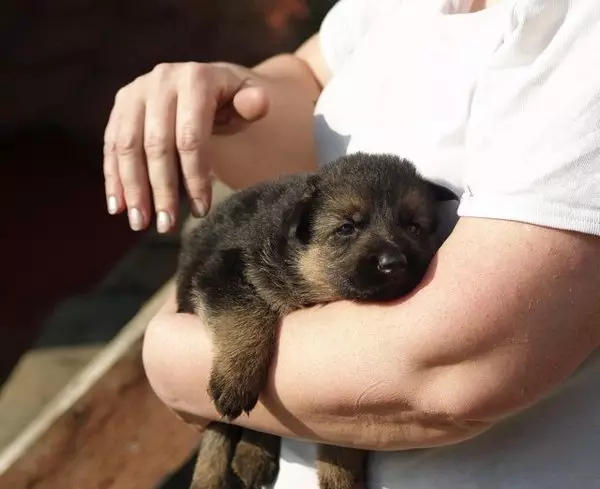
[233,394]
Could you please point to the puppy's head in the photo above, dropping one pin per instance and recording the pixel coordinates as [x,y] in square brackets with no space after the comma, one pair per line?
[365,228]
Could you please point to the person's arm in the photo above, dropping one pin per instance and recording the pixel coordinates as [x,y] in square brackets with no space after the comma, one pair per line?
[506,313]
[246,125]
[282,142]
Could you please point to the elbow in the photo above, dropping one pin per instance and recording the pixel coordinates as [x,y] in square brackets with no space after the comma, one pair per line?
[443,406]
[472,401]
[442,420]
[423,411]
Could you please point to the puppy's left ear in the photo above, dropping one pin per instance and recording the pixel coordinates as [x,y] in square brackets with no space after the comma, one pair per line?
[440,193]
[297,223]
[440,226]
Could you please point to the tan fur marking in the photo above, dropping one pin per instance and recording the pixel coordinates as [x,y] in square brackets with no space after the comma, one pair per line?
[341,468]
[347,204]
[212,467]
[244,338]
[412,199]
[256,458]
[312,265]
[198,303]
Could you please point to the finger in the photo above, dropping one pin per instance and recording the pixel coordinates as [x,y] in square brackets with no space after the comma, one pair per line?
[112,181]
[235,85]
[196,106]
[159,144]
[132,164]
[251,103]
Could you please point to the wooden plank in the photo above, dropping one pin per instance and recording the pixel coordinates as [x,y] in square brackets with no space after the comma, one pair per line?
[106,430]
[38,377]
[79,328]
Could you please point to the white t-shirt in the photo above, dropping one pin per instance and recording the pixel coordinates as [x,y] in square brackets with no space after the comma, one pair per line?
[503,107]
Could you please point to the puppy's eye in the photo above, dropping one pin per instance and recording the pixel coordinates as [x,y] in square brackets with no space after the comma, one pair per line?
[413,228]
[346,229]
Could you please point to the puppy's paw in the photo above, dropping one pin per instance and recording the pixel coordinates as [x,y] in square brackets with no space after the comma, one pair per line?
[254,466]
[230,481]
[197,484]
[231,393]
[209,480]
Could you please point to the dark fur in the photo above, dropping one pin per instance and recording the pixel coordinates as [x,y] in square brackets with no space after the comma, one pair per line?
[280,246]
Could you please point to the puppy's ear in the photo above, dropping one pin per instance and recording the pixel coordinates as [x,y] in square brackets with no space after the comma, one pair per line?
[297,223]
[440,193]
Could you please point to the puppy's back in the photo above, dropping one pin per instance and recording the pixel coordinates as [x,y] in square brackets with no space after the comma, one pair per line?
[215,253]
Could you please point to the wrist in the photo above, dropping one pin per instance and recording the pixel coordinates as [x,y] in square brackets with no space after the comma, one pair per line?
[289,68]
[281,142]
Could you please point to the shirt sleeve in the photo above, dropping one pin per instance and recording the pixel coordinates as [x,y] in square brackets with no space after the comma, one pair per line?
[346,24]
[533,140]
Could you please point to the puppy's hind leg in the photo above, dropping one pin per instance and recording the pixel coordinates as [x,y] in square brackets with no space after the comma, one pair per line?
[212,470]
[256,459]
[341,468]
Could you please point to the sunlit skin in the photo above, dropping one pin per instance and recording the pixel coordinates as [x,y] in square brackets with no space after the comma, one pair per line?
[433,369]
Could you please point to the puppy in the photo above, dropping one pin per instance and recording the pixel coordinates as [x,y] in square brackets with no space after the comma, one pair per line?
[361,228]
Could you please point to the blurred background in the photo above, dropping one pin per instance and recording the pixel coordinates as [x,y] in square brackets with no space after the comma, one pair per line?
[72,277]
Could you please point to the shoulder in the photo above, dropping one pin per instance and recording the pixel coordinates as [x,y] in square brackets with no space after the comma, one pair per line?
[345,26]
[533,145]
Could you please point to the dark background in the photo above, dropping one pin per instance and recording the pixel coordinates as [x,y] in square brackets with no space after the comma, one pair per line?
[61,63]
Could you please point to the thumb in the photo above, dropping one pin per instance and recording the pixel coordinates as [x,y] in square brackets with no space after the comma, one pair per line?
[241,98]
[251,103]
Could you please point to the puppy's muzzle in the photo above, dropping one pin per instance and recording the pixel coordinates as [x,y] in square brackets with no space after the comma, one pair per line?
[391,261]
[387,259]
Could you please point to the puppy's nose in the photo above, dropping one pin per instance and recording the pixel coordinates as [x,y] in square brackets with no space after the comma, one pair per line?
[389,262]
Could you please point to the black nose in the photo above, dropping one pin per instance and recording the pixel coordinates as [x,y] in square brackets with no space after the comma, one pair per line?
[388,262]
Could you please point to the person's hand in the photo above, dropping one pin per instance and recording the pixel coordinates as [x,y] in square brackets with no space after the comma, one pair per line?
[165,118]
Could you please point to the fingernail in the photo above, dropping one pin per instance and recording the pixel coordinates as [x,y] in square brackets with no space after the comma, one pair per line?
[112,204]
[198,208]
[136,220]
[163,222]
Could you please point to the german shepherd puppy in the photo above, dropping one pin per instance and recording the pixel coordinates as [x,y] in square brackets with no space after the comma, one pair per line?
[361,228]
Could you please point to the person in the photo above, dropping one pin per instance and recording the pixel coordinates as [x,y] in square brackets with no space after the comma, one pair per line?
[487,375]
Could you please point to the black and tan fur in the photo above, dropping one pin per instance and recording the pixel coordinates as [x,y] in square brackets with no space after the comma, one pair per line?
[361,228]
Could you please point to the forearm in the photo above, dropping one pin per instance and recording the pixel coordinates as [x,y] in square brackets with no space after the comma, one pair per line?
[484,336]
[280,143]
[343,395]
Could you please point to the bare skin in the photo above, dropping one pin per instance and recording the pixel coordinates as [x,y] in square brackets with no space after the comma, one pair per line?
[441,367]
[208,116]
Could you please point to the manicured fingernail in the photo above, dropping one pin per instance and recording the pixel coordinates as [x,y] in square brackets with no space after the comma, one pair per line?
[136,220]
[112,204]
[198,208]
[163,222]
